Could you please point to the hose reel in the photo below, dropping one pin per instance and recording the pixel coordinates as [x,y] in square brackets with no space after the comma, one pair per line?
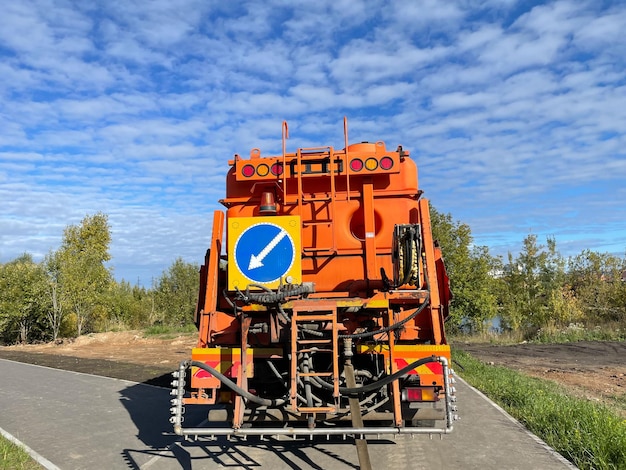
[406,254]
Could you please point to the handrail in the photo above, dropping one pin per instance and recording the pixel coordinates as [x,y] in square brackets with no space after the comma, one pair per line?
[285,135]
[345,139]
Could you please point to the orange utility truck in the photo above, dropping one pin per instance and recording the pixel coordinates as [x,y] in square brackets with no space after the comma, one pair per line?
[322,301]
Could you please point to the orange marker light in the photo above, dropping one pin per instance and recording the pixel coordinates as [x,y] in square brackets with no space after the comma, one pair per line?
[262,170]
[371,164]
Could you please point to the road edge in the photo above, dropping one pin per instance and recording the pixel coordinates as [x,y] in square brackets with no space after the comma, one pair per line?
[533,436]
[41,460]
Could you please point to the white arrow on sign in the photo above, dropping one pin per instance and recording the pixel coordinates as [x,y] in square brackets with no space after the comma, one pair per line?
[257,261]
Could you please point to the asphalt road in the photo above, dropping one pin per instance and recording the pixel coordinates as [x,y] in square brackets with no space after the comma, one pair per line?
[79,421]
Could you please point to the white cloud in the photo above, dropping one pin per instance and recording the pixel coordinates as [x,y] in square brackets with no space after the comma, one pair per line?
[514,113]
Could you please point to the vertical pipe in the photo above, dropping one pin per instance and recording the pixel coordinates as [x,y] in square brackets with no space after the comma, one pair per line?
[285,134]
[370,230]
[346,144]
[210,301]
[395,385]
[436,316]
[242,377]
[355,408]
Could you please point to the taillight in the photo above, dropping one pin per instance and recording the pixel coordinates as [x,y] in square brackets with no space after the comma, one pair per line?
[371,164]
[419,394]
[247,171]
[356,164]
[277,169]
[386,163]
[262,170]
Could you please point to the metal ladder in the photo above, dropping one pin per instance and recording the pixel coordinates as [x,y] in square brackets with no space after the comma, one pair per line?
[320,153]
[306,312]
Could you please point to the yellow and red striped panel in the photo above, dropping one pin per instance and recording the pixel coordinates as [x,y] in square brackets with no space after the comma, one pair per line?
[404,354]
[226,361]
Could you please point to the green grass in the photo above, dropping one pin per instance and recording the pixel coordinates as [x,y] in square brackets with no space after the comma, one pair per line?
[619,402]
[578,332]
[13,457]
[588,434]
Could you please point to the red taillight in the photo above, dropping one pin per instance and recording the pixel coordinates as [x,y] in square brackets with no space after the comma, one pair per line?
[247,171]
[386,163]
[420,394]
[277,169]
[413,394]
[356,165]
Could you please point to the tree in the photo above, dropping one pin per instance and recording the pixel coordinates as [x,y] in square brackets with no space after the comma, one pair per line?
[128,306]
[471,270]
[596,280]
[533,283]
[55,312]
[83,275]
[176,293]
[22,298]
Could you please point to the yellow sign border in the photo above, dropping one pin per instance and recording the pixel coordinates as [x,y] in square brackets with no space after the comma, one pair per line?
[238,225]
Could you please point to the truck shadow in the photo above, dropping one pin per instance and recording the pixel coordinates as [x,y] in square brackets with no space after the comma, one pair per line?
[148,406]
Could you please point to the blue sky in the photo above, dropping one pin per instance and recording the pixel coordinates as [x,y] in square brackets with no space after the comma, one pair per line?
[515,112]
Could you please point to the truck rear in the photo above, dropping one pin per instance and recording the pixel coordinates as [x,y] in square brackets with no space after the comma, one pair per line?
[322,301]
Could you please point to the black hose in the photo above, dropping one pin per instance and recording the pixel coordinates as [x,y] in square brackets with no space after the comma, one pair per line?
[234,387]
[380,383]
[269,297]
[408,257]
[394,326]
[343,390]
[231,303]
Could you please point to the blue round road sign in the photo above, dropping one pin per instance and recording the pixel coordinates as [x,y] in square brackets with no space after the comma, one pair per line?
[264,252]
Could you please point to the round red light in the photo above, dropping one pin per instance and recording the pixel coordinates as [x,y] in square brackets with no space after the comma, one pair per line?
[247,171]
[386,163]
[277,169]
[356,165]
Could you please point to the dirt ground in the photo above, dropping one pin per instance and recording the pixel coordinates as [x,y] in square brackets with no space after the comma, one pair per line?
[124,355]
[595,370]
[122,346]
